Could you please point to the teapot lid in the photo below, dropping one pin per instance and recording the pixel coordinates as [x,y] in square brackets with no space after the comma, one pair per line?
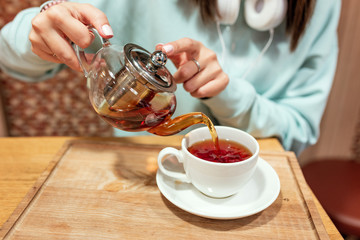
[149,67]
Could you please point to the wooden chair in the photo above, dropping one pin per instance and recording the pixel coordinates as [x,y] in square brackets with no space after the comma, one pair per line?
[336,183]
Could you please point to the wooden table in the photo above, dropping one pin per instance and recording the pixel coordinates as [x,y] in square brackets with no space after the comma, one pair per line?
[23,159]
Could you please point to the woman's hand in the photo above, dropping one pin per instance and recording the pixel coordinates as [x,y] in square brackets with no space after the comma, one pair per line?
[53,31]
[208,80]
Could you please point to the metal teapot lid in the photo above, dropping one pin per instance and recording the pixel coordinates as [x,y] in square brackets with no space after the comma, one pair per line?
[149,68]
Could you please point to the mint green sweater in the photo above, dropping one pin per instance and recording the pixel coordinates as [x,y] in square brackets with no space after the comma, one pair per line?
[283,95]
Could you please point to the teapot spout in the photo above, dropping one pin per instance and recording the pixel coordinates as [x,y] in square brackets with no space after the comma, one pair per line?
[178,124]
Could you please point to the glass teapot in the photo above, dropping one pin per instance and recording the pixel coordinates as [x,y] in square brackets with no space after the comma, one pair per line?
[131,89]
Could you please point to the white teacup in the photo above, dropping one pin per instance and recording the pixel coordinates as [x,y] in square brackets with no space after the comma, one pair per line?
[212,178]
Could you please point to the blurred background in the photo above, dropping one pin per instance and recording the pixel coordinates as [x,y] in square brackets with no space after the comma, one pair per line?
[60,107]
[57,107]
[340,127]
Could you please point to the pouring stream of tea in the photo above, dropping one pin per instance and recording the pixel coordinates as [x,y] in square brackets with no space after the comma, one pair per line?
[173,126]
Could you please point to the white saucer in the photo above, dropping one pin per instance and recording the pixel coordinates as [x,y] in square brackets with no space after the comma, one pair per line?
[258,194]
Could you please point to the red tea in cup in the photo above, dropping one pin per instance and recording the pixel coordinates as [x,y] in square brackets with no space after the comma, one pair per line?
[228,151]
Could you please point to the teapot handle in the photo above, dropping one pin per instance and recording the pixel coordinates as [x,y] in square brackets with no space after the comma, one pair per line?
[80,53]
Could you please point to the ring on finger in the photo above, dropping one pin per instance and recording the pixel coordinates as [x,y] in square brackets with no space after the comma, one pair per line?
[197,64]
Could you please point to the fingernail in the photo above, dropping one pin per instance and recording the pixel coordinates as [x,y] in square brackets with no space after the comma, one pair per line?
[107,30]
[168,48]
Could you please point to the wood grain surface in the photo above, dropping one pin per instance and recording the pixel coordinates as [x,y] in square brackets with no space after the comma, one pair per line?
[107,190]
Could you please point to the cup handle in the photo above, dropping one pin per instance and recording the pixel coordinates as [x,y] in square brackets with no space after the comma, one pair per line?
[176,175]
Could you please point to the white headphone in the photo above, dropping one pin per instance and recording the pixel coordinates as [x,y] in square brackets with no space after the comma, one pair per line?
[261,15]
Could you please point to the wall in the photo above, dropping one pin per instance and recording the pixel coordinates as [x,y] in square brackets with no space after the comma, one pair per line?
[342,114]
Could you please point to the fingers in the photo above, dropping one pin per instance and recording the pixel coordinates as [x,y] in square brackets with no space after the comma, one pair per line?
[46,56]
[89,15]
[198,67]
[73,20]
[62,48]
[182,50]
[184,45]
[207,83]
[54,29]
[186,71]
[38,43]
[75,31]
[212,88]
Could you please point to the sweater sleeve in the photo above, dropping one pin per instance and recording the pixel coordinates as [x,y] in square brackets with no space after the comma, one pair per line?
[293,115]
[16,57]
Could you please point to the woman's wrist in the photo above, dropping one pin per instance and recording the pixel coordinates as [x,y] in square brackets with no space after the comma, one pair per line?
[49,4]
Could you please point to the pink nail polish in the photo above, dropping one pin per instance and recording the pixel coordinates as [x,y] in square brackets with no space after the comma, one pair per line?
[107,30]
[168,48]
